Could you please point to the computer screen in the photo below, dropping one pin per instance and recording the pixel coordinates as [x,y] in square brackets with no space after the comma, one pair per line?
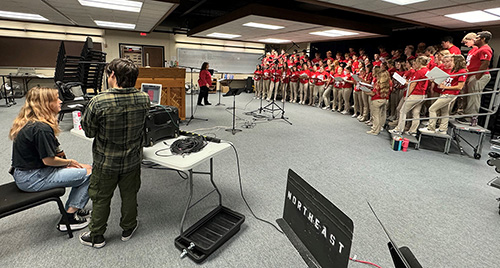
[154,92]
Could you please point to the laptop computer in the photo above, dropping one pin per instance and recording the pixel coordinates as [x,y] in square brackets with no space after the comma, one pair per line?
[402,257]
[154,92]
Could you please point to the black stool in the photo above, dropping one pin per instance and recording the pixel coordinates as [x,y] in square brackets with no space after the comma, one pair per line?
[13,200]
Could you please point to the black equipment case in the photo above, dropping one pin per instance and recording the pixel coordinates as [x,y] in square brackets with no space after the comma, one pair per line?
[162,122]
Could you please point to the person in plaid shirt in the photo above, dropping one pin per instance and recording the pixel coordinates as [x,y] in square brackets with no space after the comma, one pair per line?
[115,119]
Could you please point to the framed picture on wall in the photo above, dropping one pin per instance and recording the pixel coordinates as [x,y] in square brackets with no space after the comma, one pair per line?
[143,55]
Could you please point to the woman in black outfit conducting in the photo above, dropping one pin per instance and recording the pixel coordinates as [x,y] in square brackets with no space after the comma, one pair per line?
[205,82]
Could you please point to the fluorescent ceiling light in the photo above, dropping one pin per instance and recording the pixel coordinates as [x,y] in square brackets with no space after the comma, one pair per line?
[110,24]
[495,11]
[123,5]
[404,2]
[223,35]
[473,16]
[21,16]
[263,26]
[334,33]
[273,40]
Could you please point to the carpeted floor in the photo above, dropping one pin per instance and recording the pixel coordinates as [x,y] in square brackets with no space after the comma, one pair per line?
[438,205]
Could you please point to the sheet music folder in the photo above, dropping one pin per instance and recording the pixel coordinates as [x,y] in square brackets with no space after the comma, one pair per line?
[402,257]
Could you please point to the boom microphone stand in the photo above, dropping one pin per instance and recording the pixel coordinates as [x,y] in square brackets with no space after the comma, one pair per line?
[192,90]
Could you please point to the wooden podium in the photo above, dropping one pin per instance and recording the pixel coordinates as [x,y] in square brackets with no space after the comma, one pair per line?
[173,85]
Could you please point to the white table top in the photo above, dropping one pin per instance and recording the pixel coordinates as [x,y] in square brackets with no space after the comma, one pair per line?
[179,162]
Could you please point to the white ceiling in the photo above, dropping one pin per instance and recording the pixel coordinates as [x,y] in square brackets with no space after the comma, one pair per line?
[294,31]
[152,12]
[429,12]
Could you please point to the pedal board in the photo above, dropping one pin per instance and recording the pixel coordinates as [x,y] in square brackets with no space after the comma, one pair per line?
[209,233]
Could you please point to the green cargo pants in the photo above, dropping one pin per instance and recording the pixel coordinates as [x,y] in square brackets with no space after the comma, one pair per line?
[101,189]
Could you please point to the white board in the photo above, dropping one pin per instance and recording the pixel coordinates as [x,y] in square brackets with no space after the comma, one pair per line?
[220,61]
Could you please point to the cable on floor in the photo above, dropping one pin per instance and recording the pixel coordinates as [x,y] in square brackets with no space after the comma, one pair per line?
[241,191]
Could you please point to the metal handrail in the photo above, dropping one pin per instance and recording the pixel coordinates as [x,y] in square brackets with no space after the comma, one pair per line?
[489,111]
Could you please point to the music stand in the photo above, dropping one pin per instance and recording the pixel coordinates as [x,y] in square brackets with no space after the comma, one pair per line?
[223,82]
[233,92]
[192,90]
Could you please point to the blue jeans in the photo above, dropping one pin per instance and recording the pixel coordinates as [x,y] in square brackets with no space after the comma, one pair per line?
[36,180]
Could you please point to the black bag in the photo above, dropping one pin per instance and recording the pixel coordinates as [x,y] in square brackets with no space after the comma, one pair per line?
[162,122]
[70,90]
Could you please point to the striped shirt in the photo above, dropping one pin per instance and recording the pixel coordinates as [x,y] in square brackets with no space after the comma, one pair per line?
[115,119]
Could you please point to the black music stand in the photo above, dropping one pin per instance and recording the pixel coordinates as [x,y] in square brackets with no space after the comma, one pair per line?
[192,90]
[233,92]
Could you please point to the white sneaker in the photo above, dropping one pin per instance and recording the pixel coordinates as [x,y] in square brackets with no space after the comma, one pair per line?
[426,130]
[395,132]
[324,108]
[411,133]
[344,112]
[439,131]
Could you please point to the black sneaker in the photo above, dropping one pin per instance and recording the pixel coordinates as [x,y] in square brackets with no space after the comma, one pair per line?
[463,121]
[84,213]
[97,241]
[126,235]
[75,222]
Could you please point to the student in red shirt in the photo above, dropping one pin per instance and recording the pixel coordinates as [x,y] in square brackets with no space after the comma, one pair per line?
[358,97]
[447,43]
[317,58]
[337,89]
[379,98]
[205,82]
[468,41]
[266,81]
[257,80]
[449,90]
[285,82]
[429,52]
[376,60]
[416,94]
[383,54]
[365,97]
[479,61]
[274,82]
[319,86]
[303,83]
[347,89]
[352,52]
[277,81]
[328,89]
[329,56]
[294,83]
[409,52]
[312,82]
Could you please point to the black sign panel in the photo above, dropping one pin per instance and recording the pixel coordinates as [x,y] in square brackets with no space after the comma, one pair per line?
[324,230]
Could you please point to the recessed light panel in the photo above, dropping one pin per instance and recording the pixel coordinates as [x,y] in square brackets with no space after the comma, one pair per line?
[473,16]
[111,24]
[404,2]
[334,33]
[263,26]
[495,11]
[223,35]
[123,5]
[273,40]
[21,16]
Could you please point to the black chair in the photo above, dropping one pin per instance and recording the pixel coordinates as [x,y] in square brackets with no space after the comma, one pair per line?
[68,106]
[13,200]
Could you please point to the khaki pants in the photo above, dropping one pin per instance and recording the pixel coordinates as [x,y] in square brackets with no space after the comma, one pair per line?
[310,94]
[326,96]
[294,88]
[441,105]
[265,87]
[284,91]
[337,98]
[393,102]
[358,102]
[366,105]
[379,113]
[413,103]
[273,87]
[346,94]
[473,86]
[258,88]
[303,92]
[318,94]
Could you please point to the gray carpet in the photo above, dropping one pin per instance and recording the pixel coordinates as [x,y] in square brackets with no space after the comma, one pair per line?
[439,205]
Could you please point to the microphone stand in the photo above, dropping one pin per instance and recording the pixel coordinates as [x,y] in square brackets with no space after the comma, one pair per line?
[192,93]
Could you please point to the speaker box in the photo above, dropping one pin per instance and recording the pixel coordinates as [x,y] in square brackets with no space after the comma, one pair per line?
[162,122]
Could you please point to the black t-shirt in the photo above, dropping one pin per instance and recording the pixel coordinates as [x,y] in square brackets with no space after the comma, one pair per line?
[34,142]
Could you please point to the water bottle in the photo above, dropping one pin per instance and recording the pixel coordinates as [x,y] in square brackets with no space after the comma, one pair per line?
[406,142]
